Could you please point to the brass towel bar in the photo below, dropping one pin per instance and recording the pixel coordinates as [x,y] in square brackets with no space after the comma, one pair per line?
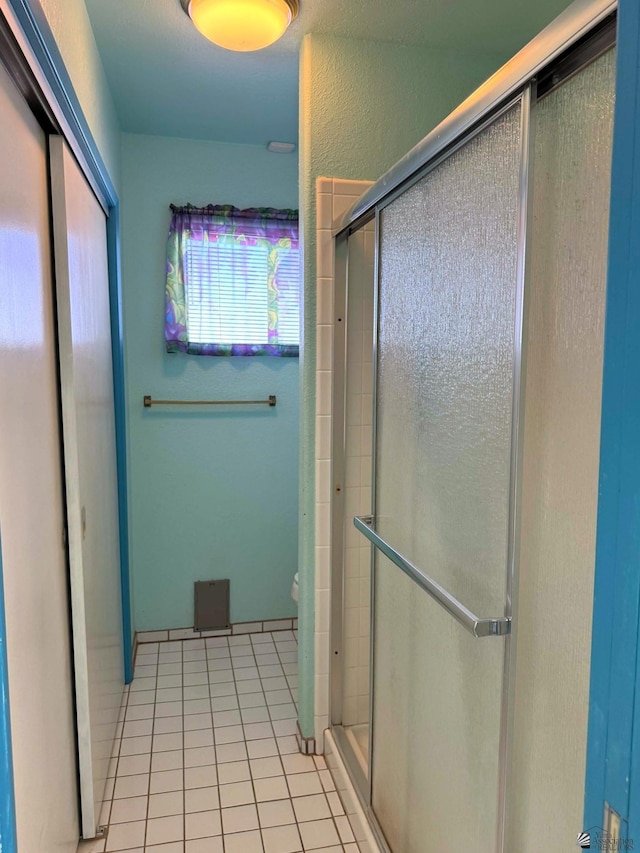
[148,402]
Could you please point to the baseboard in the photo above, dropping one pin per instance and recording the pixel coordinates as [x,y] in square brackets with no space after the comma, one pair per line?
[306,745]
[267,625]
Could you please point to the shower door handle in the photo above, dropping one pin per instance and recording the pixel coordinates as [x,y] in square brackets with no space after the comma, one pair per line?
[495,627]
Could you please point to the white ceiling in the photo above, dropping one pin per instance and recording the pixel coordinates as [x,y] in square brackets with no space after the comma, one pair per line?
[168,80]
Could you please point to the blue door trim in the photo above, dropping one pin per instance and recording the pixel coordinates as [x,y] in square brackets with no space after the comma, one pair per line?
[617,579]
[8,843]
[41,40]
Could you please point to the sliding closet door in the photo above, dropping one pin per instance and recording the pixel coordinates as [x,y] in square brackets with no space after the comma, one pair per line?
[31,495]
[90,462]
[448,320]
[567,286]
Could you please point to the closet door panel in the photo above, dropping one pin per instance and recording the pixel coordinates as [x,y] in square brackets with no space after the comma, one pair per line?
[90,459]
[31,496]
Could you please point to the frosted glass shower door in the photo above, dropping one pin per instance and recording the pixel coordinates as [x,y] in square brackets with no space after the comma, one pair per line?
[448,337]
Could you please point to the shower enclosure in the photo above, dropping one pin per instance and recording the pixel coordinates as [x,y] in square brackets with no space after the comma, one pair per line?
[470,293]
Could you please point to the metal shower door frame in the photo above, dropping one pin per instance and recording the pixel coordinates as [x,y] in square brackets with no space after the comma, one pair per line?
[516,82]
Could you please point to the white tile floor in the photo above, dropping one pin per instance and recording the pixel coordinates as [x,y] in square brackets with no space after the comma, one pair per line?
[207,759]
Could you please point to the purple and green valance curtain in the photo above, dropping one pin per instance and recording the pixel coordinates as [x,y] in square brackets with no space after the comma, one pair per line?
[232,281]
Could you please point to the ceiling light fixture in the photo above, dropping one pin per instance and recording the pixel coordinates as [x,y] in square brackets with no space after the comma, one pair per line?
[241,24]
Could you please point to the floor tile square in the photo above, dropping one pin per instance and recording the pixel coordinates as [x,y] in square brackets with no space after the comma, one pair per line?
[167,742]
[136,728]
[201,800]
[252,700]
[197,706]
[262,748]
[168,709]
[143,697]
[278,683]
[205,845]
[197,721]
[239,818]
[131,786]
[318,833]
[255,715]
[227,688]
[275,813]
[129,809]
[194,666]
[229,734]
[236,794]
[283,712]
[192,679]
[263,768]
[226,718]
[200,777]
[123,836]
[282,728]
[278,697]
[169,694]
[298,763]
[252,685]
[235,771]
[199,757]
[258,731]
[166,681]
[303,784]
[203,824]
[281,839]
[220,676]
[164,805]
[199,737]
[243,663]
[169,669]
[224,703]
[227,752]
[160,830]
[197,691]
[148,683]
[219,664]
[218,652]
[171,760]
[248,674]
[167,780]
[243,842]
[314,807]
[270,788]
[167,725]
[216,643]
[132,765]
[287,745]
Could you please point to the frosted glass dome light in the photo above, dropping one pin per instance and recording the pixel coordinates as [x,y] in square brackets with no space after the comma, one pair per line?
[242,25]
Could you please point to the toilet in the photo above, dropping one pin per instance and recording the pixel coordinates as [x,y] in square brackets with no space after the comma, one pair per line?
[294,588]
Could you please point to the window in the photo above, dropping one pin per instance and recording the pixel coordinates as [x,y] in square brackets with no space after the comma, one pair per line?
[233,282]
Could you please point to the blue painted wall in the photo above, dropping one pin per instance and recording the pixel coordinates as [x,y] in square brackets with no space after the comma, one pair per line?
[613,758]
[213,494]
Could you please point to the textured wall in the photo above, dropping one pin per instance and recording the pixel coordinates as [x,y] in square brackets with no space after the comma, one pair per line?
[213,493]
[71,28]
[362,106]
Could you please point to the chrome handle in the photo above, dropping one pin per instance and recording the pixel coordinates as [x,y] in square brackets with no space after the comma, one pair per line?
[497,627]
